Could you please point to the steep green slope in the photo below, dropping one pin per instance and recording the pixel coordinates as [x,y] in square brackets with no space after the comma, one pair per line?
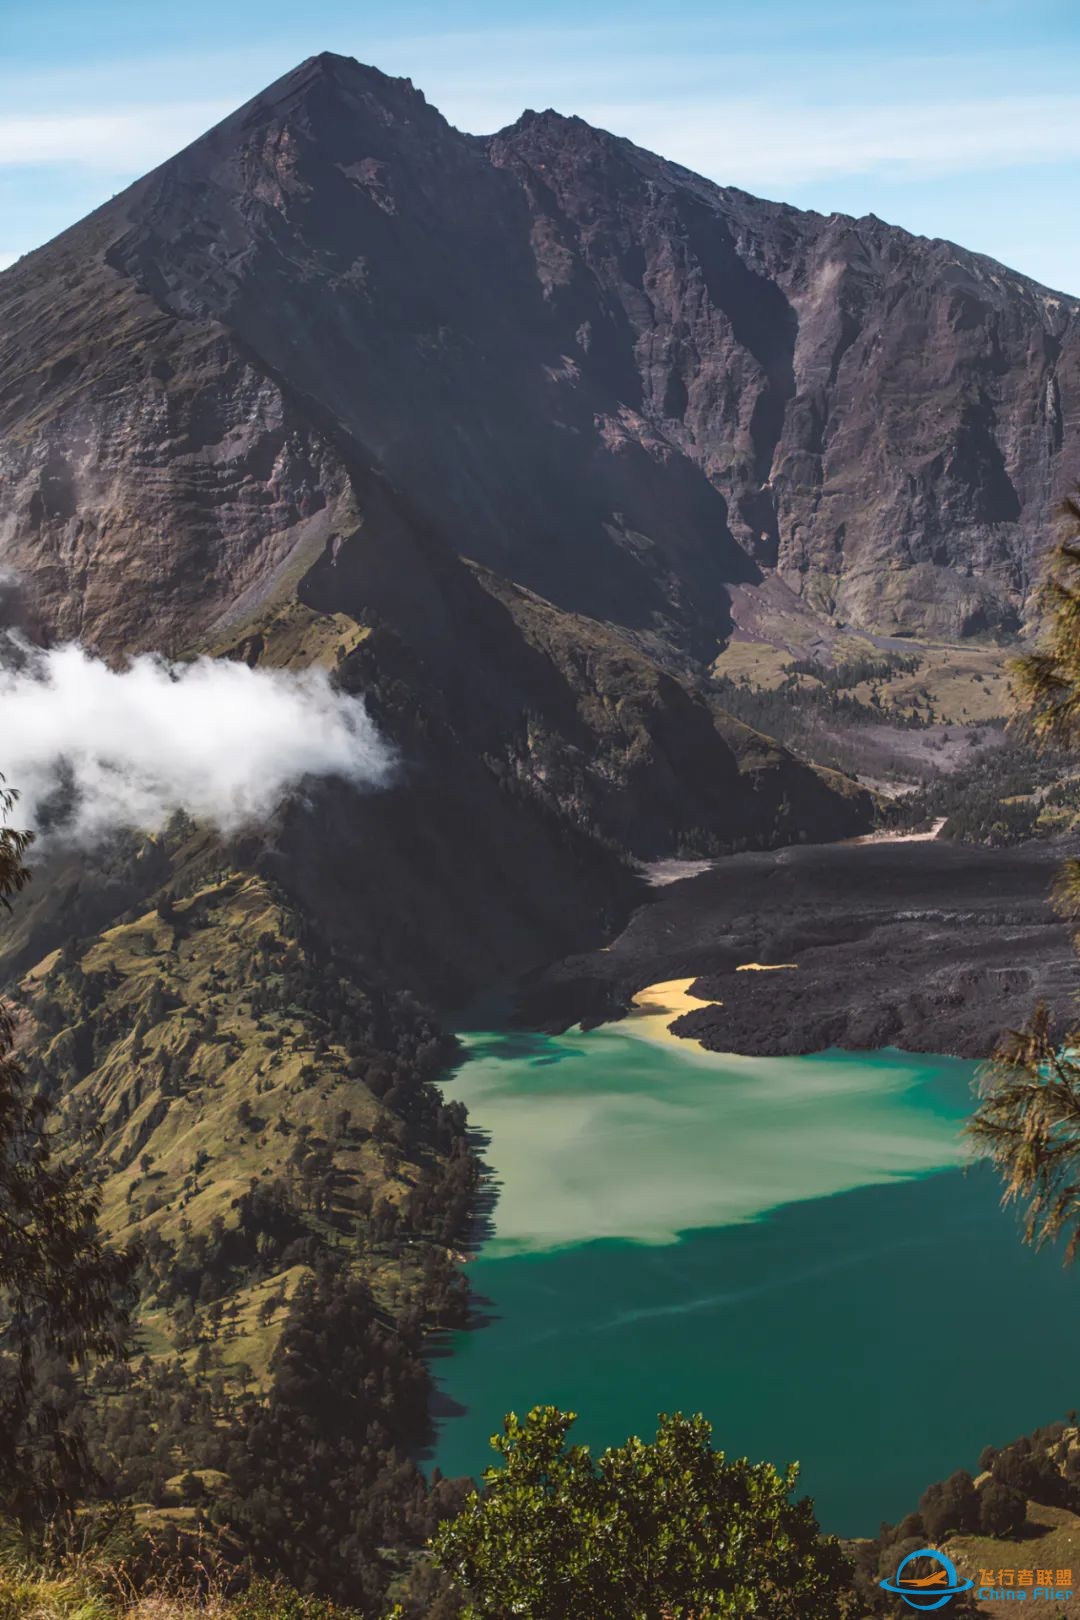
[260,1113]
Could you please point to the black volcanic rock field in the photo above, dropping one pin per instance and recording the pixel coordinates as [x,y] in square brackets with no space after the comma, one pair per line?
[931,947]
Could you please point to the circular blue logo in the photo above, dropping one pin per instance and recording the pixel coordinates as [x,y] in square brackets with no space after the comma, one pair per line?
[930,1587]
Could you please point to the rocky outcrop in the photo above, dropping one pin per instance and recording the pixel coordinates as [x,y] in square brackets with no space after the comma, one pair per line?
[889,419]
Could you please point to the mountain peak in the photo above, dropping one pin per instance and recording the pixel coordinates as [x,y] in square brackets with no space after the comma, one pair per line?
[330,72]
[347,71]
[549,118]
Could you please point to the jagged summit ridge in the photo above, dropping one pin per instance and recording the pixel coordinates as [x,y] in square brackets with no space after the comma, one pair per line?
[331,73]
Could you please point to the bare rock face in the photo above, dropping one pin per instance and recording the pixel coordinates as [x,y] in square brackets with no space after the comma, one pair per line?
[591,371]
[152,476]
[891,421]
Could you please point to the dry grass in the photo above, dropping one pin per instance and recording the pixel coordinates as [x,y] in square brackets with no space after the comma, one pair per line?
[180,1151]
[965,683]
[1050,1540]
[90,1585]
[289,634]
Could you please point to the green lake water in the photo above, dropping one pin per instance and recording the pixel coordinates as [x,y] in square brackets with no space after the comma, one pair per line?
[793,1246]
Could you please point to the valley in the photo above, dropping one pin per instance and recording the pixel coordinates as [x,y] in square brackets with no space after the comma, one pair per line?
[669,543]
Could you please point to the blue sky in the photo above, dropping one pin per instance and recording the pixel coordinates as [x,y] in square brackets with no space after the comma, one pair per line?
[959,118]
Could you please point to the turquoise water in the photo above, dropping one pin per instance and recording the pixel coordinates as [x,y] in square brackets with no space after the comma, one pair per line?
[787,1244]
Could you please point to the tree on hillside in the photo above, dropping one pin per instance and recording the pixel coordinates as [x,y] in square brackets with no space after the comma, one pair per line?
[670,1530]
[14,874]
[1028,1118]
[62,1290]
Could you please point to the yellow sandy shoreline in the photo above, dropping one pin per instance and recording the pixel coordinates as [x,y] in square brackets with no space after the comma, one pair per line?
[658,1005]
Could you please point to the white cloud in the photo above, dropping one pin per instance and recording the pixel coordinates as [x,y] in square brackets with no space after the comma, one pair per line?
[755,142]
[134,137]
[818,107]
[224,742]
[909,115]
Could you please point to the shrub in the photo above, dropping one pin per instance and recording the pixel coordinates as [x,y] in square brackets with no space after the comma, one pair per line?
[1002,1510]
[672,1523]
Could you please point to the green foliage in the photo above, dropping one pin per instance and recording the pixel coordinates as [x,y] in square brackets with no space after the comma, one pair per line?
[1002,1510]
[1028,1124]
[952,1504]
[1042,1467]
[1028,1117]
[1004,795]
[81,1588]
[1048,680]
[287,1277]
[1031,1472]
[63,1290]
[664,1529]
[851,672]
[14,874]
[320,1482]
[805,717]
[274,1600]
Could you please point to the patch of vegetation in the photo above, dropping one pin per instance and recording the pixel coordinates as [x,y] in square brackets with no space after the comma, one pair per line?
[865,670]
[965,683]
[1023,1509]
[1005,795]
[782,711]
[821,723]
[92,1588]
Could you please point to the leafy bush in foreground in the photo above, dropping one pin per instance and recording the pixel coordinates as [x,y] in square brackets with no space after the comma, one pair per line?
[669,1529]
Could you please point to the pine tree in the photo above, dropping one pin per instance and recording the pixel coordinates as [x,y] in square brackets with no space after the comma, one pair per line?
[1028,1118]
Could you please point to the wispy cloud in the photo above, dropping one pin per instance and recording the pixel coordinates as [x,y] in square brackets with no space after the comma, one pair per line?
[760,143]
[136,136]
[750,141]
[935,112]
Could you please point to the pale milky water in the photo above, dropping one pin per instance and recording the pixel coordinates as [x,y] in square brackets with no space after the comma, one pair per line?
[609,1135]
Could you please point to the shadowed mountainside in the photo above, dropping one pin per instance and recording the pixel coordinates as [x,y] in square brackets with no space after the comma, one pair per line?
[497,430]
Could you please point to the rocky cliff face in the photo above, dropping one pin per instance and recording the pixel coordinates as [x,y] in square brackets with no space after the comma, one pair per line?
[588,369]
[891,421]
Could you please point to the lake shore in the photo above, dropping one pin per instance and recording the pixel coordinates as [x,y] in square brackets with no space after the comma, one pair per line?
[654,1009]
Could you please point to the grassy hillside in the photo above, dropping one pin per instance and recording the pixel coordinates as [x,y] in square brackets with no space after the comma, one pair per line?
[261,1116]
[186,1040]
[960,683]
